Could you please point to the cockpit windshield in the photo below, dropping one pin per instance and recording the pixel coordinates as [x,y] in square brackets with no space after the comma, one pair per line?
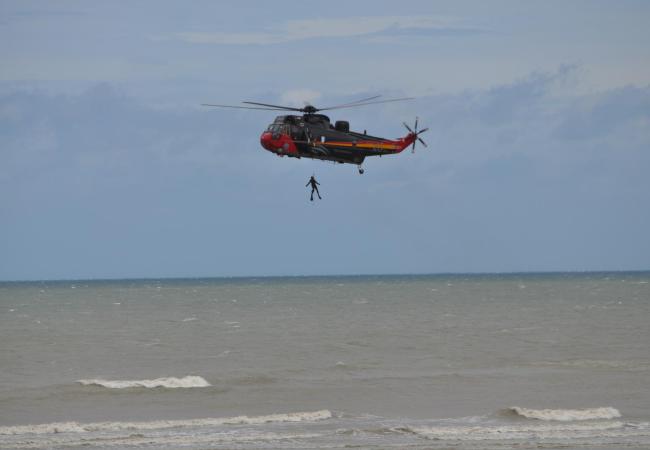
[295,131]
[278,128]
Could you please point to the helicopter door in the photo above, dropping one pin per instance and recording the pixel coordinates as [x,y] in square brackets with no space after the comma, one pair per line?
[297,133]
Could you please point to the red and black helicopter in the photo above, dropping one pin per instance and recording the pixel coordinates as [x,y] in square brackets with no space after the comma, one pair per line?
[311,135]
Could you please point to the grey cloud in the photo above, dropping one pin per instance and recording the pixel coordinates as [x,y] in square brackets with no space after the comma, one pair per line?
[336,28]
[600,114]
[402,34]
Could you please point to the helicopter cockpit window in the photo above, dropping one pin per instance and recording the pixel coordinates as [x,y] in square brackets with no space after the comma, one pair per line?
[277,128]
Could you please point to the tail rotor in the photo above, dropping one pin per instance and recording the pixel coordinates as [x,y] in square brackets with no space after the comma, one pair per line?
[416,133]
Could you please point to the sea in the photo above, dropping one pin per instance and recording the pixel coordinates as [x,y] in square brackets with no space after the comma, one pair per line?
[525,361]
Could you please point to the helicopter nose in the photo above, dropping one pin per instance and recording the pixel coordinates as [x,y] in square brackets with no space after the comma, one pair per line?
[266,141]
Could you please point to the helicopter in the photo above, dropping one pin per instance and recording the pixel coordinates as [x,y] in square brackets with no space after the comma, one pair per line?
[312,135]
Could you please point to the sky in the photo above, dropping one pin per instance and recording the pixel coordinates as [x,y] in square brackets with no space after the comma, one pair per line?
[538,157]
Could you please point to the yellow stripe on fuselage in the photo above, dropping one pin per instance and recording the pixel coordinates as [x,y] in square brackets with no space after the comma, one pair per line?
[369,145]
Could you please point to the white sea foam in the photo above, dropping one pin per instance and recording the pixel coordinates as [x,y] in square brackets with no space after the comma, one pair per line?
[566,415]
[76,427]
[155,440]
[190,381]
[507,432]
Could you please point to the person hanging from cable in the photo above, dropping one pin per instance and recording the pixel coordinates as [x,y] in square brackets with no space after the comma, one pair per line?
[314,187]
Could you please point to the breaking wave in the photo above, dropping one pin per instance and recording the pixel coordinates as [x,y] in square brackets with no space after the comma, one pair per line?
[76,427]
[189,381]
[565,415]
[508,432]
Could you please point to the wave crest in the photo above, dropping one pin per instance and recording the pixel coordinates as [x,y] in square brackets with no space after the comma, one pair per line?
[76,427]
[565,415]
[190,381]
[516,432]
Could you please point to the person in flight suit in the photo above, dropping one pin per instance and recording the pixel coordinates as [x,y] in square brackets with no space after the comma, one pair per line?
[314,187]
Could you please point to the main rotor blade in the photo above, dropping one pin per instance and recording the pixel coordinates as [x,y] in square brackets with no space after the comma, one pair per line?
[352,103]
[241,107]
[369,103]
[288,108]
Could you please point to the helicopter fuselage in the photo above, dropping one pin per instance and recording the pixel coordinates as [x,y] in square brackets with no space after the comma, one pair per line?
[313,136]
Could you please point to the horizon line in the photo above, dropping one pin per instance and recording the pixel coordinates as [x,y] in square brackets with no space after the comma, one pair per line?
[356,275]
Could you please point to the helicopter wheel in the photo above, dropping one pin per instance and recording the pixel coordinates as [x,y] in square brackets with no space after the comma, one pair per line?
[361,171]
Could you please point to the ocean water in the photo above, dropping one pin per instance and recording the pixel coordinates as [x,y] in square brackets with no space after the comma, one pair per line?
[464,362]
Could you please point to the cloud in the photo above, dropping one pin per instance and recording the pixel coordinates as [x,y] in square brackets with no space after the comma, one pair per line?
[105,127]
[105,135]
[598,115]
[297,30]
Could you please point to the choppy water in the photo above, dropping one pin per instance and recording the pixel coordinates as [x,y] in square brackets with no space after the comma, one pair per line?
[477,362]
